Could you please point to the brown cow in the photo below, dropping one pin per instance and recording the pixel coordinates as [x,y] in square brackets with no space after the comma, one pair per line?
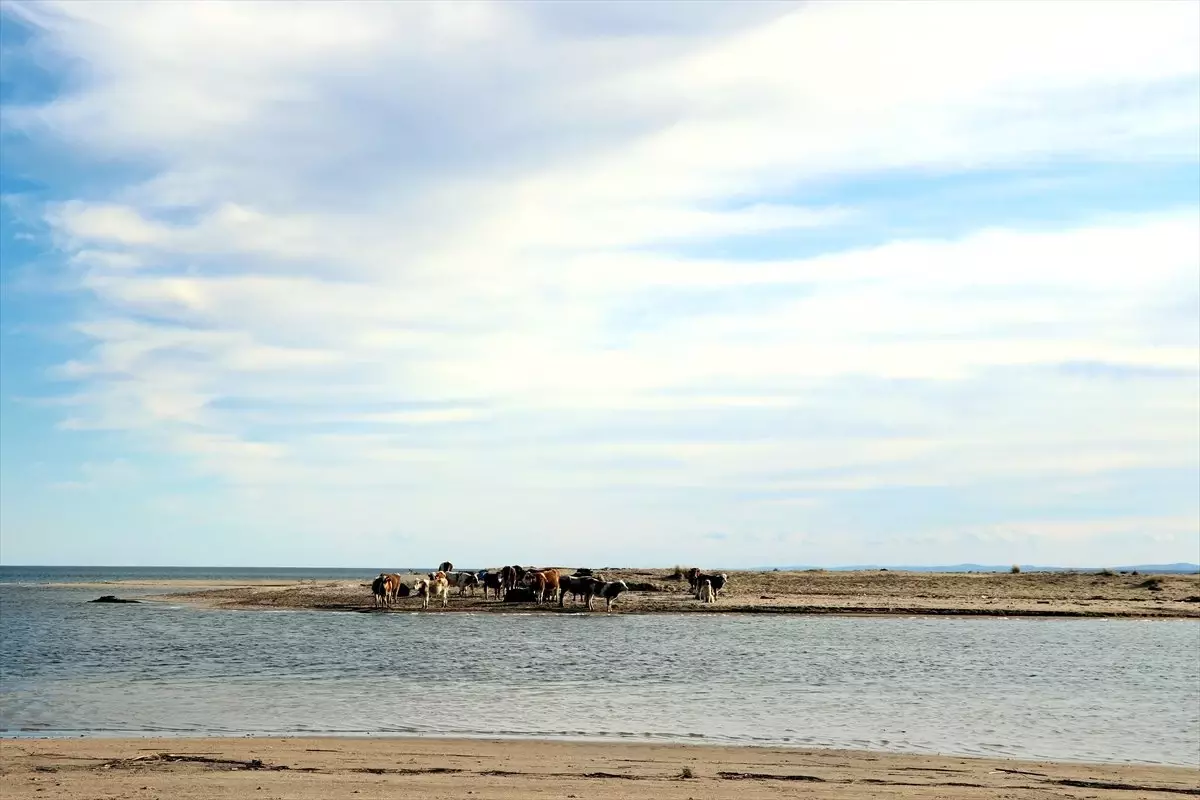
[537,582]
[544,583]
[391,586]
[402,589]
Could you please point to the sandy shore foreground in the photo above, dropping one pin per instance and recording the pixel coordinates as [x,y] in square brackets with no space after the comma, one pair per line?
[1049,594]
[307,769]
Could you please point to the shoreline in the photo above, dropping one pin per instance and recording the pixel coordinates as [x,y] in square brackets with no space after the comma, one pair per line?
[371,767]
[538,739]
[749,610]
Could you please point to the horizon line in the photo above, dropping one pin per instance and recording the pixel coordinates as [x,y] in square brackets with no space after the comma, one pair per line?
[1195,566]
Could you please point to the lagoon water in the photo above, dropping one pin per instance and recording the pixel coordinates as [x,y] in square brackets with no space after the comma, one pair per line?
[1101,690]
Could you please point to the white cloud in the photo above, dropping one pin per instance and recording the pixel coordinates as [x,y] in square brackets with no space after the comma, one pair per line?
[388,244]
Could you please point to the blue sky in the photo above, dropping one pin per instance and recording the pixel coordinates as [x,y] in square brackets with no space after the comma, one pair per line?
[730,284]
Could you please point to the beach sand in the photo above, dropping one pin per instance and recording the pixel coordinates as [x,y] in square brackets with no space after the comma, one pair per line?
[1057,594]
[308,769]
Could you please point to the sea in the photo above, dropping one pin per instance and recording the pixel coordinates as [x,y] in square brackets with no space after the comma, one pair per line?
[1105,690]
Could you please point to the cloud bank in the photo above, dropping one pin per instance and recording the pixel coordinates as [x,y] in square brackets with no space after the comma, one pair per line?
[738,284]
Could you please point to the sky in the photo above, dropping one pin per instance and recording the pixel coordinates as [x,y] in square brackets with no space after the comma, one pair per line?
[730,284]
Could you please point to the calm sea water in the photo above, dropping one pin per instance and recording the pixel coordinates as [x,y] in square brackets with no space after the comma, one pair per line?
[1105,690]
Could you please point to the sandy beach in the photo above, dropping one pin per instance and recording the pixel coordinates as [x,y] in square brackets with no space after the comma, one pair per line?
[308,769]
[1057,594]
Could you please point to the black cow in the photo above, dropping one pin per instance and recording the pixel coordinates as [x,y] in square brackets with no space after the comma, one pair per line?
[493,581]
[586,587]
[379,590]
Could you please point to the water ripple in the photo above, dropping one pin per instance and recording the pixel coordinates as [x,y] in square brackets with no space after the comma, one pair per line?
[1115,690]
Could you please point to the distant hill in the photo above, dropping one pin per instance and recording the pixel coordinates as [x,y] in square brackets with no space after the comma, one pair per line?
[1179,567]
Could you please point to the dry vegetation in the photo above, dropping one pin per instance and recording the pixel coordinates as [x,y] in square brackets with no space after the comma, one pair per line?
[808,592]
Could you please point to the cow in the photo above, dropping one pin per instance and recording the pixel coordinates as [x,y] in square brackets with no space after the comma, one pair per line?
[445,567]
[435,585]
[569,584]
[717,582]
[693,577]
[544,583]
[493,581]
[508,577]
[536,581]
[609,591]
[577,586]
[583,572]
[706,591]
[378,590]
[520,594]
[513,576]
[391,585]
[463,581]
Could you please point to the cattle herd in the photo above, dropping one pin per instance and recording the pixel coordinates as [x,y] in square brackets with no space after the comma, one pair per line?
[526,584]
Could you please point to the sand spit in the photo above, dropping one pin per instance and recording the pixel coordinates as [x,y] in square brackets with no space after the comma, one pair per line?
[808,592]
[437,769]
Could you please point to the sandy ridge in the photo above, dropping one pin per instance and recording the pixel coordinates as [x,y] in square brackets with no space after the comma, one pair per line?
[306,769]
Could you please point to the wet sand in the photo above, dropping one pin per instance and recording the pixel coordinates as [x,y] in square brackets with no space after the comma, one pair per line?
[308,769]
[1057,594]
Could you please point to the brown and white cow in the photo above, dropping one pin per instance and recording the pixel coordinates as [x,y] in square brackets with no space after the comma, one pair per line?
[435,585]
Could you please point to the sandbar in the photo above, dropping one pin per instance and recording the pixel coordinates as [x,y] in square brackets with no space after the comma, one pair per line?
[883,592]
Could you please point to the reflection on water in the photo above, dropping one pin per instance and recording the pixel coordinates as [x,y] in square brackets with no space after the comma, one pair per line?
[1108,690]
